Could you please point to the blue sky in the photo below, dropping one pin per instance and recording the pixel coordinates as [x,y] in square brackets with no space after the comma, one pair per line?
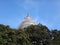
[46,12]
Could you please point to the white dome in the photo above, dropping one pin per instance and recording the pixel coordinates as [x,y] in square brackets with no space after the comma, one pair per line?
[26,22]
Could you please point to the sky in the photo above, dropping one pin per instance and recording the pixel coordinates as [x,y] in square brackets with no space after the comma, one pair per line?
[46,12]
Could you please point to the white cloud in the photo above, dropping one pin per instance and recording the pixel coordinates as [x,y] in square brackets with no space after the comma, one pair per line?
[53,14]
[28,4]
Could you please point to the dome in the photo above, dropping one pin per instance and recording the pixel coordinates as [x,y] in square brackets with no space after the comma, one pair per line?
[27,21]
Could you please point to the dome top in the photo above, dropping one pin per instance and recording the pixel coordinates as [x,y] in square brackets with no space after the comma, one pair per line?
[27,17]
[27,21]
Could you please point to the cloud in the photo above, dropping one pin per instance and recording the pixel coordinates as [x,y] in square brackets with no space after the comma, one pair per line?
[52,8]
[28,4]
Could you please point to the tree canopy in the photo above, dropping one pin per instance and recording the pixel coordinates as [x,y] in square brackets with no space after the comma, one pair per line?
[32,35]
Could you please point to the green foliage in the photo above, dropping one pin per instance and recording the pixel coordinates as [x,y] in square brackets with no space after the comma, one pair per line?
[32,35]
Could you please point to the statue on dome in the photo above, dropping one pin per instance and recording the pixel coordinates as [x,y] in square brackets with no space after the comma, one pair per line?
[27,21]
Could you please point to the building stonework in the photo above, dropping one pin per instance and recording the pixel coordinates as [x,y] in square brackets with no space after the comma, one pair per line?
[27,21]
